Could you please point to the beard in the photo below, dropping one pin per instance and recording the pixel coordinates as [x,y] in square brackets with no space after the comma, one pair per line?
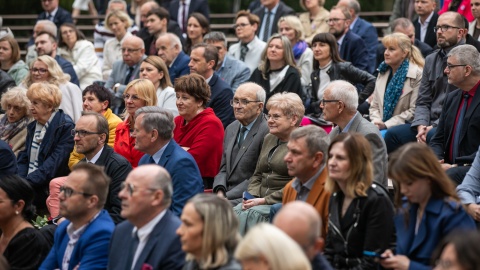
[447,43]
[337,33]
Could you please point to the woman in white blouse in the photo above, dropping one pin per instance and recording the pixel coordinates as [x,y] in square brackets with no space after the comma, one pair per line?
[118,23]
[153,68]
[80,52]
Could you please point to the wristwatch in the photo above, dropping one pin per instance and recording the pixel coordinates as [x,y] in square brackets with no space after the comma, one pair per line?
[115,87]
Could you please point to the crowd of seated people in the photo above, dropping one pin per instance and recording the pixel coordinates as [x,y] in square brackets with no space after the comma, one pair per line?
[164,148]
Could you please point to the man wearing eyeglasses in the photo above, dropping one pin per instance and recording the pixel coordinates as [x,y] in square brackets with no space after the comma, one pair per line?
[153,136]
[339,105]
[242,143]
[125,70]
[147,239]
[83,239]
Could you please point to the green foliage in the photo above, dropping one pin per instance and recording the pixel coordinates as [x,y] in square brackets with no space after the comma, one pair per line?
[40,222]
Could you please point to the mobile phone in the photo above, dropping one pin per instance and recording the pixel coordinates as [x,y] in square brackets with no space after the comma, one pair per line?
[247,196]
[373,254]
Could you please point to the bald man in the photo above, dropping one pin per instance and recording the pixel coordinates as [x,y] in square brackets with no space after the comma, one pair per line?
[301,222]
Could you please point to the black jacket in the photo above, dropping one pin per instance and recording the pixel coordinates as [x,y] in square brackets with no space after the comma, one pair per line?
[6,82]
[367,226]
[341,71]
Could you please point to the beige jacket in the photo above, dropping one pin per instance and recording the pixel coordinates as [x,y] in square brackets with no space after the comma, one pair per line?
[318,25]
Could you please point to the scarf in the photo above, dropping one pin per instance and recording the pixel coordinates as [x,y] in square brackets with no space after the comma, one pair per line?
[38,135]
[9,130]
[298,49]
[394,88]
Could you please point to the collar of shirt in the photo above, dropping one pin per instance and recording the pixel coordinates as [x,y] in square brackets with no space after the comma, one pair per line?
[53,13]
[427,20]
[158,155]
[474,89]
[208,79]
[75,235]
[173,61]
[274,9]
[95,158]
[339,41]
[347,127]
[297,185]
[145,231]
[187,2]
[353,23]
[249,126]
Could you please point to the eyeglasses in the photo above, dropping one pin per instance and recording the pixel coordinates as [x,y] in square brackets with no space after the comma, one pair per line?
[40,71]
[275,117]
[130,50]
[449,67]
[70,192]
[444,28]
[82,133]
[133,97]
[240,25]
[334,20]
[131,188]
[244,102]
[323,101]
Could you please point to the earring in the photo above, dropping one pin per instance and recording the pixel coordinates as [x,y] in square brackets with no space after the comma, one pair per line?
[16,213]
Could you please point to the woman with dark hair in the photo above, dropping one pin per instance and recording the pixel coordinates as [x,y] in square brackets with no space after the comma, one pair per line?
[328,66]
[209,233]
[73,46]
[10,59]
[428,207]
[361,213]
[277,71]
[197,27]
[23,246]
[458,250]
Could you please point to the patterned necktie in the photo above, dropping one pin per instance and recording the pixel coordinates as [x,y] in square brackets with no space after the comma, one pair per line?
[243,51]
[184,17]
[266,30]
[458,128]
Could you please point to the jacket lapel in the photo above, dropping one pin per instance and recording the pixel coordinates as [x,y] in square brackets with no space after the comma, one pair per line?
[248,140]
[469,113]
[166,154]
[229,146]
[317,188]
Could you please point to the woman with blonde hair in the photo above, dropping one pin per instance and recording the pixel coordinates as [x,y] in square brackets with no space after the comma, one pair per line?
[361,213]
[154,69]
[46,69]
[209,233]
[265,247]
[314,21]
[10,59]
[291,27]
[428,207]
[13,124]
[277,71]
[138,93]
[397,85]
[118,22]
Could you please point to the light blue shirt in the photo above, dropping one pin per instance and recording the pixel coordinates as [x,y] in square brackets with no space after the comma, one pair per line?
[158,155]
[347,127]
[302,194]
[272,21]
[249,126]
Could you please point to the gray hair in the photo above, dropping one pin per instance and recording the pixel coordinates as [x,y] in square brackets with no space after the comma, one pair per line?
[467,55]
[157,118]
[48,26]
[346,92]
[289,103]
[215,36]
[260,92]
[316,139]
[102,123]
[163,181]
[404,23]
[344,10]
[175,40]
[124,3]
[355,5]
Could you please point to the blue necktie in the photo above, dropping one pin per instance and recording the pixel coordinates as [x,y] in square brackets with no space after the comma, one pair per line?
[151,161]
[458,128]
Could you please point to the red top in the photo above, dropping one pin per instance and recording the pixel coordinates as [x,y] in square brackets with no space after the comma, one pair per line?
[204,136]
[124,144]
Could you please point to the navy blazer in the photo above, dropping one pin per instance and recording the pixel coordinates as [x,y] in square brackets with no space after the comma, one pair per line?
[354,50]
[369,35]
[91,249]
[430,36]
[220,100]
[469,141]
[8,161]
[186,178]
[179,67]
[163,249]
[67,67]
[439,219]
[200,6]
[62,16]
[283,10]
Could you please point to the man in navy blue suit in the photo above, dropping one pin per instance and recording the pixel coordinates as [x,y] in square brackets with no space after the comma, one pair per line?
[54,13]
[8,162]
[351,46]
[364,29]
[203,61]
[153,136]
[147,239]
[169,48]
[180,10]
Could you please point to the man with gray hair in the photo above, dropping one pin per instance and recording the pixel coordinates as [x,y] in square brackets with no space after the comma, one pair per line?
[40,26]
[169,48]
[456,139]
[153,136]
[147,239]
[339,104]
[232,71]
[242,142]
[301,222]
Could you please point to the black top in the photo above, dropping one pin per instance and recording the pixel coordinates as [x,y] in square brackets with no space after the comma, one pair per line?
[27,249]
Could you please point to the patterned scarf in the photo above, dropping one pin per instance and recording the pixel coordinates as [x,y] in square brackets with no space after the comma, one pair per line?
[9,130]
[40,131]
[394,88]
[298,49]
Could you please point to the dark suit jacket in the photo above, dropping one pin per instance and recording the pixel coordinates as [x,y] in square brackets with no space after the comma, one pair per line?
[220,100]
[200,6]
[8,162]
[163,249]
[424,48]
[469,141]
[283,10]
[172,27]
[233,177]
[91,249]
[354,50]
[186,178]
[117,168]
[369,35]
[179,67]
[430,36]
[67,68]
[62,16]
[119,72]
[5,83]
